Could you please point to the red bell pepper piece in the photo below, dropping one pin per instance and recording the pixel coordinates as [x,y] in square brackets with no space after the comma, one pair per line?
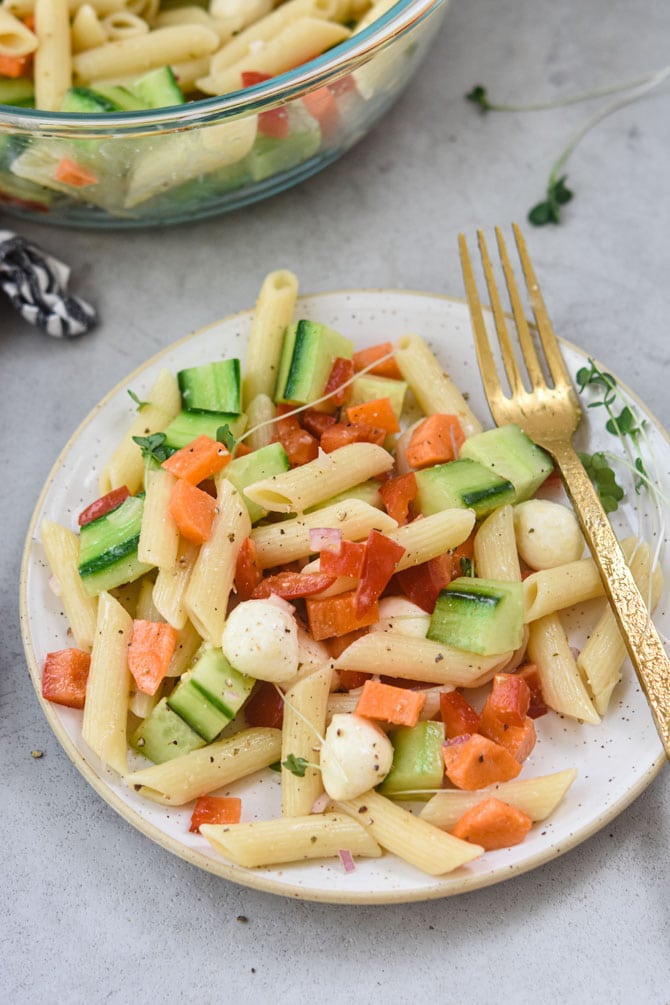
[248,572]
[64,677]
[105,504]
[347,562]
[341,371]
[397,495]
[265,706]
[457,714]
[291,585]
[300,446]
[340,434]
[509,698]
[381,557]
[215,810]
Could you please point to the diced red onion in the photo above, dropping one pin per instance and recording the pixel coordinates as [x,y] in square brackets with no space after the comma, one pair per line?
[321,804]
[347,860]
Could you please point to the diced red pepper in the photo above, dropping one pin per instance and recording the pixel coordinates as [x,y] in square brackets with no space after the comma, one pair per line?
[341,371]
[347,562]
[350,680]
[274,122]
[248,572]
[300,446]
[215,810]
[105,504]
[422,583]
[537,706]
[322,105]
[457,714]
[64,677]
[291,585]
[251,77]
[381,557]
[397,495]
[509,698]
[265,706]
[316,422]
[340,434]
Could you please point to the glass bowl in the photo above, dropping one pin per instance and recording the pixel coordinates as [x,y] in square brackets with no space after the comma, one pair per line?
[169,165]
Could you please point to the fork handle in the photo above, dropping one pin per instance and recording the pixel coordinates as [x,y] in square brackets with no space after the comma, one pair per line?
[644,646]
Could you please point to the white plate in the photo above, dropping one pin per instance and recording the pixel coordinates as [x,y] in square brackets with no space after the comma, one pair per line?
[615,760]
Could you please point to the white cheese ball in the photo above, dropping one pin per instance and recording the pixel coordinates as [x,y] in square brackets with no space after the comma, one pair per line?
[356,756]
[260,638]
[399,615]
[547,534]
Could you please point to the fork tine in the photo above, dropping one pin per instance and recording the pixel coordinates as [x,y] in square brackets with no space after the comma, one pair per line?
[487,364]
[548,339]
[527,348]
[509,360]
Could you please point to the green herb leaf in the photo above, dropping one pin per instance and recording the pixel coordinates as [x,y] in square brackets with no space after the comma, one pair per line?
[153,447]
[601,474]
[140,404]
[624,424]
[479,97]
[224,435]
[296,765]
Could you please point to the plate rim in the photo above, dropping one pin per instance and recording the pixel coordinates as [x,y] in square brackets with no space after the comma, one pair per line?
[248,877]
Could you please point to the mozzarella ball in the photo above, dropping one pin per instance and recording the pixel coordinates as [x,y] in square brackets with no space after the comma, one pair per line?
[399,615]
[547,534]
[260,638]
[355,756]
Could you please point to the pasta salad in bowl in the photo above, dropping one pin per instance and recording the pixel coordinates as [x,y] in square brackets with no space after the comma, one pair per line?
[121,113]
[315,629]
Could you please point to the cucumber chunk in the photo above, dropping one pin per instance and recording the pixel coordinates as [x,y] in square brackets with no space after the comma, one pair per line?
[210,695]
[417,760]
[108,548]
[186,426]
[482,616]
[261,463]
[307,357]
[158,89]
[87,101]
[213,387]
[510,454]
[164,735]
[462,483]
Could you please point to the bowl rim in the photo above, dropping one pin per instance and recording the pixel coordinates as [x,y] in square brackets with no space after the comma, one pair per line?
[342,59]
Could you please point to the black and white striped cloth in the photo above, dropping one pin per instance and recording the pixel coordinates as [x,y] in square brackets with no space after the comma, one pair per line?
[36,283]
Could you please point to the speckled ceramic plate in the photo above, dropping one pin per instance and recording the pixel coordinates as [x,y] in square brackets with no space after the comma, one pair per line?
[615,760]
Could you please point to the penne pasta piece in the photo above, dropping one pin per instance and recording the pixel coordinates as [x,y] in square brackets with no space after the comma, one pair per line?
[208,590]
[126,466]
[410,838]
[61,547]
[145,609]
[417,659]
[272,315]
[170,586]
[23,8]
[538,797]
[188,643]
[302,40]
[496,556]
[432,387]
[103,726]
[52,71]
[562,686]
[432,535]
[261,412]
[140,53]
[201,771]
[122,24]
[159,536]
[602,657]
[290,839]
[16,39]
[296,490]
[305,707]
[288,540]
[86,31]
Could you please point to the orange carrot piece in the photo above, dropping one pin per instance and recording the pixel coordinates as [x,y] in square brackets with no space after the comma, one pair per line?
[215,810]
[473,762]
[198,460]
[15,66]
[70,173]
[398,705]
[152,645]
[518,740]
[64,677]
[493,824]
[378,413]
[330,616]
[192,510]
[342,433]
[436,440]
[389,368]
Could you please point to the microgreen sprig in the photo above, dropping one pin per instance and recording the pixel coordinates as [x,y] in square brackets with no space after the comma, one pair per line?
[153,447]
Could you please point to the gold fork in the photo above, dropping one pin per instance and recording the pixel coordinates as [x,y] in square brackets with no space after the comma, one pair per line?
[549,413]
